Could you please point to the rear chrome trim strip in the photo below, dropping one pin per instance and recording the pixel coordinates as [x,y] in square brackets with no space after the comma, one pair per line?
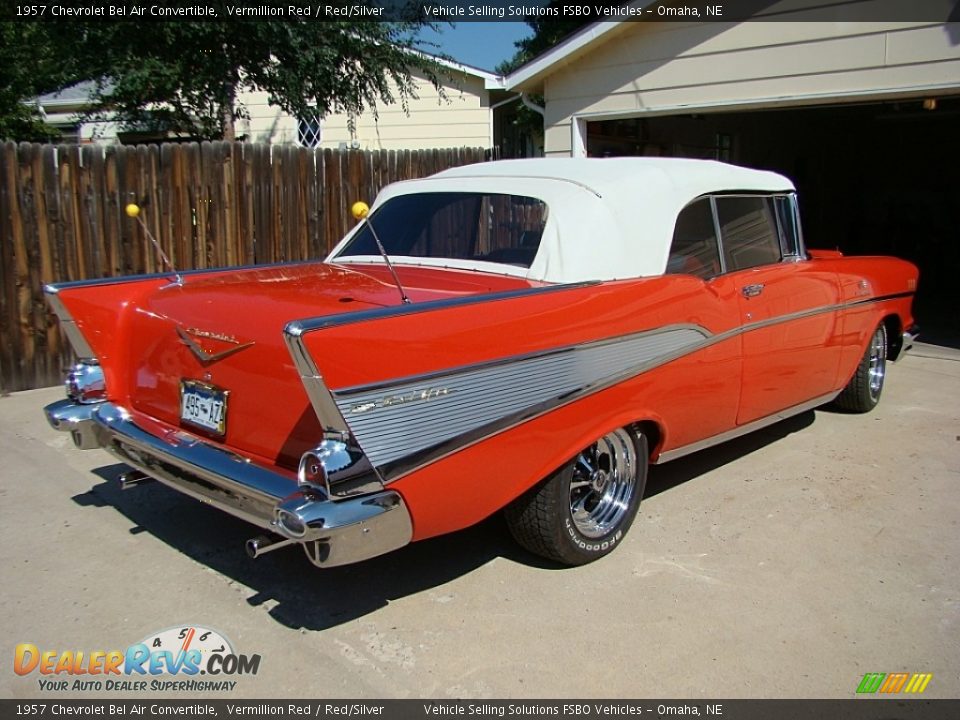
[744,429]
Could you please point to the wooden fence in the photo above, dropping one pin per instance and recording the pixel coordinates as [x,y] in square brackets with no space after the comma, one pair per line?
[209,205]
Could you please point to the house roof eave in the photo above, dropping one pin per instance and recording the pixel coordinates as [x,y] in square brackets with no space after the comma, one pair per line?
[491,81]
[529,77]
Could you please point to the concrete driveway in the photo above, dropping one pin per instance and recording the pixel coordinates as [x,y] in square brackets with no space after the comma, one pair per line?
[785,564]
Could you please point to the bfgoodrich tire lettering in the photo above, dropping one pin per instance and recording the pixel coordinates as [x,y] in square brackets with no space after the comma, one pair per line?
[582,511]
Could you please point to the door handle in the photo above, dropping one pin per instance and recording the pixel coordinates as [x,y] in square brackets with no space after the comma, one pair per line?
[750,291]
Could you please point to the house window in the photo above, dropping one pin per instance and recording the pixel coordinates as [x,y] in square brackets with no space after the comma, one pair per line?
[309,131]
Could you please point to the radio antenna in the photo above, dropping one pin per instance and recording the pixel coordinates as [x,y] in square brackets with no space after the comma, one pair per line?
[133,211]
[361,211]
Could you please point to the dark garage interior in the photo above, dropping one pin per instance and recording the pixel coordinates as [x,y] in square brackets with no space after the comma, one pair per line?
[878,178]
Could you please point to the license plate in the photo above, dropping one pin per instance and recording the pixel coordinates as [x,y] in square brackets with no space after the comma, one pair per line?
[203,406]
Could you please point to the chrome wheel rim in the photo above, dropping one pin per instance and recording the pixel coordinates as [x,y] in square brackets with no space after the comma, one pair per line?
[878,362]
[603,484]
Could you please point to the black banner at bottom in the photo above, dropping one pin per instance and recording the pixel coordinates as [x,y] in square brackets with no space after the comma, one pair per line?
[853,709]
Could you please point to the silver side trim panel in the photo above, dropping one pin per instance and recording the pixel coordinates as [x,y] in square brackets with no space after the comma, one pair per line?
[744,429]
[403,424]
[363,476]
[449,410]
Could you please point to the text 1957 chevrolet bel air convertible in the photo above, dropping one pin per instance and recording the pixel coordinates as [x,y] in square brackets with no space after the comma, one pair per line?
[520,335]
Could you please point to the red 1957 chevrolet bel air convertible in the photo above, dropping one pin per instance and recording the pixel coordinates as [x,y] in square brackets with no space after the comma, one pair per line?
[523,335]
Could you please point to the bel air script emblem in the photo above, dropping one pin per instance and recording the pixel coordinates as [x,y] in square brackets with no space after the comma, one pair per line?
[402,399]
[205,356]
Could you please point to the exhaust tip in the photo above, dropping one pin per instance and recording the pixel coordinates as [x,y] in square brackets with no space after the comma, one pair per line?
[132,479]
[252,547]
[261,545]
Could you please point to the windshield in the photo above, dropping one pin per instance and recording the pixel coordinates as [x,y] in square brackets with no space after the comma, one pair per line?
[463,226]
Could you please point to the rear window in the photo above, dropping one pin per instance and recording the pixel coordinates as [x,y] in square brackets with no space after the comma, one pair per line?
[462,226]
[694,250]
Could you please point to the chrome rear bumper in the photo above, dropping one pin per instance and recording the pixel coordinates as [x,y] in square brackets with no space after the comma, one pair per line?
[332,533]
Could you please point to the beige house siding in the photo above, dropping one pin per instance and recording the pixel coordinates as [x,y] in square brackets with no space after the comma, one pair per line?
[461,120]
[647,69]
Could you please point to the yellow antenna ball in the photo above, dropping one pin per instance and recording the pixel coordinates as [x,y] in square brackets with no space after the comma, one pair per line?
[132,210]
[360,210]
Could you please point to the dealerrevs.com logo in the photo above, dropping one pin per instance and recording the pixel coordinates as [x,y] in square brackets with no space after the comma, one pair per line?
[167,661]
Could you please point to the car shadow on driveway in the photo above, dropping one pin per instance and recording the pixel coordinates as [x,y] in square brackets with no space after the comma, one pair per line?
[669,475]
[301,596]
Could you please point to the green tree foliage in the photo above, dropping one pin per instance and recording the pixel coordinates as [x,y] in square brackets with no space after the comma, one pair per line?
[184,77]
[31,64]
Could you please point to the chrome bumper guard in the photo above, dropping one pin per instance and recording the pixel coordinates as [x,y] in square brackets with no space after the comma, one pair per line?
[909,338]
[74,418]
[332,533]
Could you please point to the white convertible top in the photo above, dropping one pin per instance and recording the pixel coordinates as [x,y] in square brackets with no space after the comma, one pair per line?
[607,218]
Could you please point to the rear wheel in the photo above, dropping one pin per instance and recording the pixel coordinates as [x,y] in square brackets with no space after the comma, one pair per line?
[583,510]
[863,391]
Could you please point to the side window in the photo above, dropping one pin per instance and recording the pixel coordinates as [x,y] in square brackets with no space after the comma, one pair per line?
[789,225]
[748,226]
[694,248]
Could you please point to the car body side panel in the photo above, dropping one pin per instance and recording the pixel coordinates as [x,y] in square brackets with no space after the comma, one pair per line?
[486,476]
[791,347]
[871,289]
[372,364]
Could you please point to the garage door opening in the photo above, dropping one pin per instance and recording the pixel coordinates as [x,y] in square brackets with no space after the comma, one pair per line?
[880,178]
